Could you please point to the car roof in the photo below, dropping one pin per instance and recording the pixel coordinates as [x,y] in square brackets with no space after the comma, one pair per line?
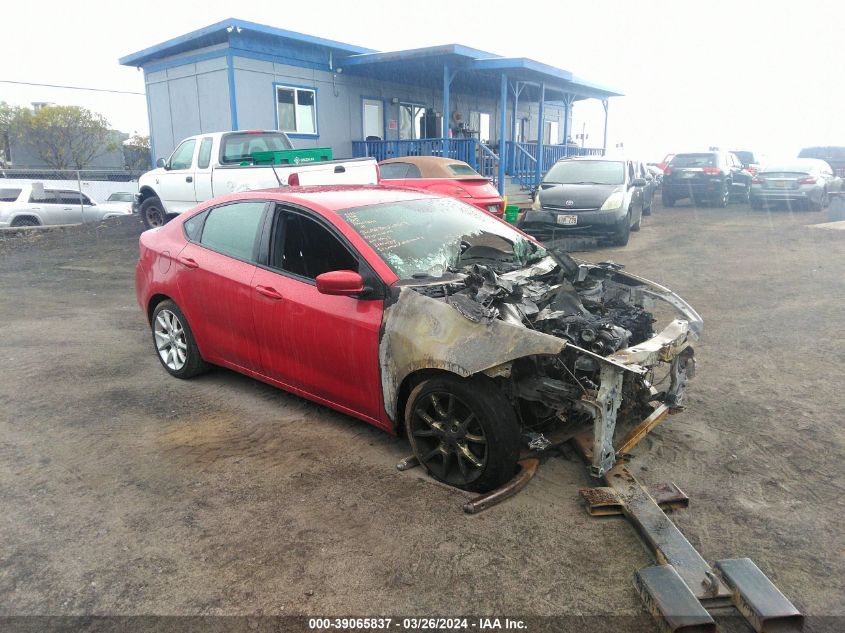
[430,166]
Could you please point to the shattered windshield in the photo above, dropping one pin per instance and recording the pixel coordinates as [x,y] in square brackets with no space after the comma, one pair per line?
[429,237]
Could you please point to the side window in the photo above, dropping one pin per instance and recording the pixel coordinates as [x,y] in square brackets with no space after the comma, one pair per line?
[50,196]
[304,247]
[183,156]
[73,197]
[393,171]
[204,158]
[193,226]
[413,171]
[232,229]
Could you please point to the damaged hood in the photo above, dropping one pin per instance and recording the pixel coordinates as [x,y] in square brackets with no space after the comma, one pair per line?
[478,320]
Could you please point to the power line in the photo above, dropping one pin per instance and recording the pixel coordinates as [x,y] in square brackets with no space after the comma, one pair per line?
[28,83]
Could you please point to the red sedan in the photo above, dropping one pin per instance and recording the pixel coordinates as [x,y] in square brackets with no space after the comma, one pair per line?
[409,311]
[446,176]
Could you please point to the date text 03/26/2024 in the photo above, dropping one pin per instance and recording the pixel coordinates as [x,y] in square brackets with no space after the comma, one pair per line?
[415,624]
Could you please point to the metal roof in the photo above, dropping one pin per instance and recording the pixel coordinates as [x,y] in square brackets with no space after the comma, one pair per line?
[218,33]
[417,66]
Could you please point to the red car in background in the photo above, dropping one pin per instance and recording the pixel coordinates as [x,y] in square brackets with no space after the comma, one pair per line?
[444,176]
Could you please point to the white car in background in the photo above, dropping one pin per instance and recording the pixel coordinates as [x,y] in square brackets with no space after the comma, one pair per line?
[120,201]
[35,205]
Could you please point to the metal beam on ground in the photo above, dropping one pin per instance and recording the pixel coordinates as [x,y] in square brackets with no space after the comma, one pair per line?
[503,90]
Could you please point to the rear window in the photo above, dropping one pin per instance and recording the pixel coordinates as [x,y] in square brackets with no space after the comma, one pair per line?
[238,148]
[746,158]
[398,171]
[462,170]
[694,160]
[9,195]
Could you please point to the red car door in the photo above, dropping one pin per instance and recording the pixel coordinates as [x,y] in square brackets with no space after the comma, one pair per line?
[215,283]
[322,345]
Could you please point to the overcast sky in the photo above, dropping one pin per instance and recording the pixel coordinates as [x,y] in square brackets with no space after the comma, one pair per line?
[767,76]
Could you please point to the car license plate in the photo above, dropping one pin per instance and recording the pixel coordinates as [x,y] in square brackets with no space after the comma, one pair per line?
[568,220]
[783,184]
[688,174]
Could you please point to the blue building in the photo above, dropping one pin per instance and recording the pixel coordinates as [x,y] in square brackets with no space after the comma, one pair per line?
[508,117]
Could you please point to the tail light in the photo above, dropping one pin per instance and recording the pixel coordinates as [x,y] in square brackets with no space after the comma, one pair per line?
[667,171]
[293,180]
[807,180]
[712,171]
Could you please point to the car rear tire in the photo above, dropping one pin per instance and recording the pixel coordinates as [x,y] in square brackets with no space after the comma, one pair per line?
[152,213]
[637,225]
[647,210]
[756,205]
[724,196]
[464,431]
[26,220]
[824,200]
[667,200]
[174,342]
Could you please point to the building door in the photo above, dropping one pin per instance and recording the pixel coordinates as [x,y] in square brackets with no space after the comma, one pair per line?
[410,120]
[550,133]
[373,119]
[480,122]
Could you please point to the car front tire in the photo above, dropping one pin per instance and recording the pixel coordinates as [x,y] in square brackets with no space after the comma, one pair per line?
[464,431]
[174,342]
[623,231]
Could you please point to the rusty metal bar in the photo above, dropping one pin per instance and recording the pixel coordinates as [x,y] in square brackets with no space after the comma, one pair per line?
[662,536]
[528,467]
[642,429]
[666,595]
[604,501]
[754,595]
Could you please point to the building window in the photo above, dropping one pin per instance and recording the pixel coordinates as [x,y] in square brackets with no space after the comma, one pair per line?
[410,120]
[296,109]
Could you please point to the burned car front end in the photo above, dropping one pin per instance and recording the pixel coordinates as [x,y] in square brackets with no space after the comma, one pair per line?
[572,345]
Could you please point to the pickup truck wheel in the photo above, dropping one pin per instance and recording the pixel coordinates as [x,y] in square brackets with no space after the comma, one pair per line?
[152,213]
[464,431]
[174,342]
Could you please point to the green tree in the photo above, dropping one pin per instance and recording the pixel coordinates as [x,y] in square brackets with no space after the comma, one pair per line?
[67,137]
[11,119]
[136,152]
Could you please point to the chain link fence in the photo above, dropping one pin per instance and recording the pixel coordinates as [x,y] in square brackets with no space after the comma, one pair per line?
[97,184]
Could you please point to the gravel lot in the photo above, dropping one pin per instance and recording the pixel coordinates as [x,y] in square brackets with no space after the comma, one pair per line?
[125,491]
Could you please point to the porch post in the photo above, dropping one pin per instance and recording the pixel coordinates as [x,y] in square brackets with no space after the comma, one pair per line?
[539,164]
[503,89]
[567,115]
[605,103]
[515,108]
[447,82]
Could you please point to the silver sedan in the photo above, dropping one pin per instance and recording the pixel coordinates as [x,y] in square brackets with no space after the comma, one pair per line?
[804,182]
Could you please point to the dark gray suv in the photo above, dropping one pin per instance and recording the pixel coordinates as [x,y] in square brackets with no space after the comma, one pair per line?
[587,196]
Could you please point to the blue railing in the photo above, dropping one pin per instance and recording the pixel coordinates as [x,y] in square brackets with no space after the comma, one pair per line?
[520,158]
[459,148]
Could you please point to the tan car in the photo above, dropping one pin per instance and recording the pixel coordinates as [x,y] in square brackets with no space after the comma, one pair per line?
[445,176]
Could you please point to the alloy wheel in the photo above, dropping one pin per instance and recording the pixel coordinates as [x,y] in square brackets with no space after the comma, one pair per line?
[170,340]
[449,439]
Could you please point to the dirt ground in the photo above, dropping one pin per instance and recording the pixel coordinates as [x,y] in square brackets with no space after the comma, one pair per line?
[125,491]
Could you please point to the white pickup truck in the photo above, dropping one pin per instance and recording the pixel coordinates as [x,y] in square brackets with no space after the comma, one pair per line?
[210,165]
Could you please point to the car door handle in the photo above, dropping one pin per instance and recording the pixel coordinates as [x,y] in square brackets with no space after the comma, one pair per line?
[189,179]
[270,293]
[187,262]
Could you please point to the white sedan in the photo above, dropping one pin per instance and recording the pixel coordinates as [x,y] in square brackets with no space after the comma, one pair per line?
[34,205]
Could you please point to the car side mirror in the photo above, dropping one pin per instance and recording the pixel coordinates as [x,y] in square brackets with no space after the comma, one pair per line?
[161,163]
[340,282]
[638,182]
